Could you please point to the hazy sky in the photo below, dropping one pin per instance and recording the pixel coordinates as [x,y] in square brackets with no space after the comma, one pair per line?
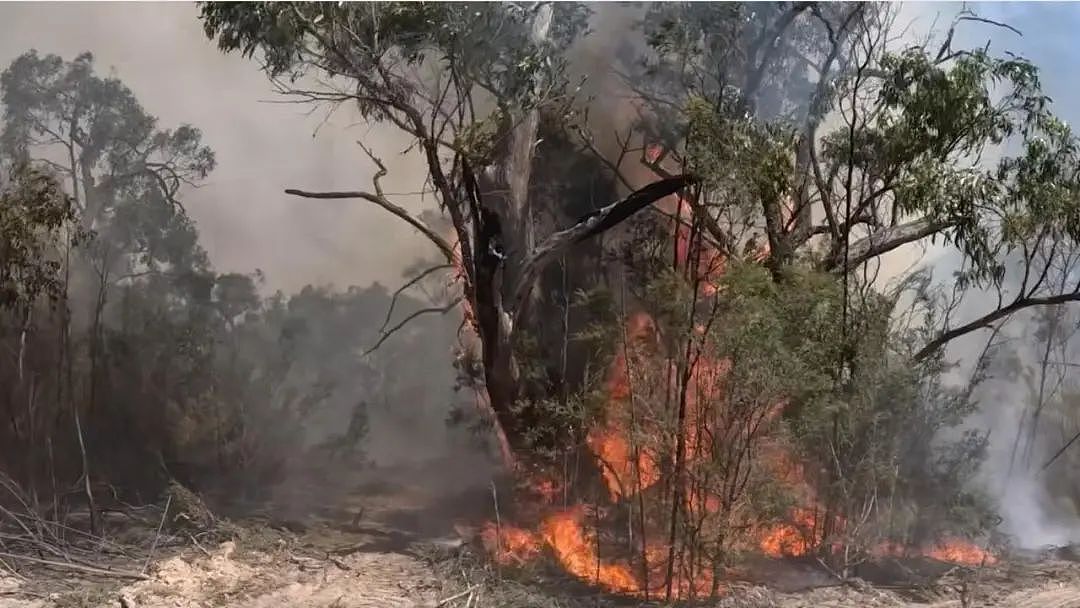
[1047,37]
[246,222]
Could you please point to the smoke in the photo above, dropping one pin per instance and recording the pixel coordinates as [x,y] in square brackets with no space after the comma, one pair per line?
[604,62]
[246,222]
[1036,508]
[1037,504]
[263,146]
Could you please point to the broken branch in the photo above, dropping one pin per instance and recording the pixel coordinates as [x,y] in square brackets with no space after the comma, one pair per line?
[591,225]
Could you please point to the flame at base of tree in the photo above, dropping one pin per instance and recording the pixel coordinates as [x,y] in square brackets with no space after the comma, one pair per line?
[566,534]
[629,469]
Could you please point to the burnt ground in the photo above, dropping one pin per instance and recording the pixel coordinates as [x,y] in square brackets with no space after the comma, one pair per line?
[394,544]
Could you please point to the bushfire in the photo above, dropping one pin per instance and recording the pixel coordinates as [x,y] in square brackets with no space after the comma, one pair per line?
[628,471]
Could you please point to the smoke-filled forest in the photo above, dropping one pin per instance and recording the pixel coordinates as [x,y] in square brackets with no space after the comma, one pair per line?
[719,304]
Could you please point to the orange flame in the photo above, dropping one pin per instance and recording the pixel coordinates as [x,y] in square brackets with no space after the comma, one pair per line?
[791,539]
[626,471]
[960,551]
[564,532]
[576,552]
[510,545]
[608,441]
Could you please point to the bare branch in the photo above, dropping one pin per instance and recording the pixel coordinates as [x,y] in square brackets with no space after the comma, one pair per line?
[440,242]
[1001,24]
[410,283]
[423,311]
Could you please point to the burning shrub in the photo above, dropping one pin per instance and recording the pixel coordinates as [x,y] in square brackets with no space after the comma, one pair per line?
[740,418]
[888,474]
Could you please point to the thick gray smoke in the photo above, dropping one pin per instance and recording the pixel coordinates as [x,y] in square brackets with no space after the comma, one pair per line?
[1038,507]
[263,146]
[246,222]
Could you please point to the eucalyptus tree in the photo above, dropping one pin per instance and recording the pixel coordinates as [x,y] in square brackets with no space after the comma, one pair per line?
[469,83]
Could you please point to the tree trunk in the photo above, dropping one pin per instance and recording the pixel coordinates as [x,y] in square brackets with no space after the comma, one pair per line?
[496,309]
[517,171]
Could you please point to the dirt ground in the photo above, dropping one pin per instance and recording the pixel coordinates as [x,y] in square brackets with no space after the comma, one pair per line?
[399,553]
[300,573]
[267,568]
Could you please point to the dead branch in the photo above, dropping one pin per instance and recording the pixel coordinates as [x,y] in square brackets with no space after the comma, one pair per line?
[77,567]
[157,535]
[440,242]
[410,283]
[596,223]
[198,546]
[423,311]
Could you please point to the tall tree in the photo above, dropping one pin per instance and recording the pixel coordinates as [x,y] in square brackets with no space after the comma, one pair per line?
[468,82]
[889,148]
[120,176]
[125,174]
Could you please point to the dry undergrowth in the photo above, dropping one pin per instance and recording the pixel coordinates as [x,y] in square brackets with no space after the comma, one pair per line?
[197,560]
[268,569]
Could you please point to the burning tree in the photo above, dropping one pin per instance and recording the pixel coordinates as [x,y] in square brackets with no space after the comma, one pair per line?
[887,150]
[775,347]
[429,69]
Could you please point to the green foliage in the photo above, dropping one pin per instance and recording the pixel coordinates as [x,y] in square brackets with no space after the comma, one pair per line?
[909,161]
[484,44]
[933,119]
[34,212]
[741,161]
[126,171]
[763,327]
[889,431]
[876,435]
